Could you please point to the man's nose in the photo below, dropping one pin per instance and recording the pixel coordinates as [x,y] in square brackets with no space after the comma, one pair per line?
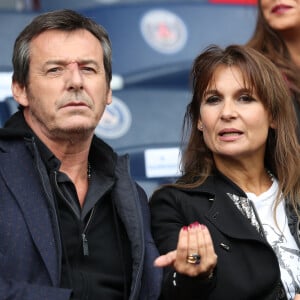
[75,80]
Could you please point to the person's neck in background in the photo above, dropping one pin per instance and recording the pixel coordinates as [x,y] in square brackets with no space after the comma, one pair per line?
[292,41]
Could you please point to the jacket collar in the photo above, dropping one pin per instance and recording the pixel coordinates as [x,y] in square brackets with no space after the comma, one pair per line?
[101,156]
[16,127]
[223,212]
[21,178]
[219,180]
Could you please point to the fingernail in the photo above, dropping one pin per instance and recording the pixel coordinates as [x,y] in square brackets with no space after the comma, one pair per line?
[184,228]
[194,225]
[203,226]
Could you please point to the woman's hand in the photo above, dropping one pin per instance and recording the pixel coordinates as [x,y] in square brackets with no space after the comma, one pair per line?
[297,297]
[193,240]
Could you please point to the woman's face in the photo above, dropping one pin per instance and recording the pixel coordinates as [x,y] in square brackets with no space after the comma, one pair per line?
[234,123]
[281,15]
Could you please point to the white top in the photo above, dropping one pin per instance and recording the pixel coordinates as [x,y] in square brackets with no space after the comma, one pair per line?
[281,239]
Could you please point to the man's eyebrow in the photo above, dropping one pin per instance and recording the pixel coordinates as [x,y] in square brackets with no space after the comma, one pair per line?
[56,62]
[88,62]
[61,62]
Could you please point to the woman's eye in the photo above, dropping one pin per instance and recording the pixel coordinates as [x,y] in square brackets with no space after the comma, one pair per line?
[212,100]
[246,98]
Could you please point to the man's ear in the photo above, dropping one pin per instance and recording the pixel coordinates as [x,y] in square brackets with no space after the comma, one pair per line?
[19,93]
[109,97]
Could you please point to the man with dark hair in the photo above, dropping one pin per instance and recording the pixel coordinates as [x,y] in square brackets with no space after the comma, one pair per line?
[73,223]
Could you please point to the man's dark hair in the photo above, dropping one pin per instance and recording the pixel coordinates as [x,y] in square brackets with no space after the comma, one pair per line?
[64,20]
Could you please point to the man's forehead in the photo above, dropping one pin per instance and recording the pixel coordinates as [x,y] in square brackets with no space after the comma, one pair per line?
[58,39]
[61,47]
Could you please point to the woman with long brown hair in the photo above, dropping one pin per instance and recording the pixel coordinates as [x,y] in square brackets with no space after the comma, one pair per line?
[277,35]
[228,228]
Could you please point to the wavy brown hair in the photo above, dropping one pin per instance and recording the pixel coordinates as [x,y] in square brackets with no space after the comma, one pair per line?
[270,43]
[262,76]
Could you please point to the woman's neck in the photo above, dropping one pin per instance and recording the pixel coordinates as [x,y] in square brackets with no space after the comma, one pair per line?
[250,179]
[292,41]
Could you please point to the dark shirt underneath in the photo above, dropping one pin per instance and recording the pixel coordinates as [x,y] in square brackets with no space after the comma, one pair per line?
[97,265]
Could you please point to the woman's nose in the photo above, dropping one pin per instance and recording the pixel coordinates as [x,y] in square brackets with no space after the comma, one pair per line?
[228,110]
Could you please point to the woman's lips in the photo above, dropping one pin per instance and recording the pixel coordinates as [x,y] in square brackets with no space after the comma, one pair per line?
[229,135]
[280,8]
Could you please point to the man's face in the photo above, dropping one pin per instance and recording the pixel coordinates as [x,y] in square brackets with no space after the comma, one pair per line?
[67,91]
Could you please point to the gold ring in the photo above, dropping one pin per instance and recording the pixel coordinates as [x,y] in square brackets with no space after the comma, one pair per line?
[193,259]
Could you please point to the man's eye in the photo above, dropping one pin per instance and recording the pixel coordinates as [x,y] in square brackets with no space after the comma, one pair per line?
[54,70]
[88,70]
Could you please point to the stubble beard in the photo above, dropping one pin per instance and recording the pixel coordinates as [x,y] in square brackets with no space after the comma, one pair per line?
[52,130]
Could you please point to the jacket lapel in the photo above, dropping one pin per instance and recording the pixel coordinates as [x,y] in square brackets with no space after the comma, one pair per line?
[223,213]
[21,179]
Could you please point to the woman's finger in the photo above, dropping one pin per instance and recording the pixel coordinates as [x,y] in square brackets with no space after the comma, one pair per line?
[165,260]
[175,255]
[206,249]
[208,241]
[182,246]
[193,244]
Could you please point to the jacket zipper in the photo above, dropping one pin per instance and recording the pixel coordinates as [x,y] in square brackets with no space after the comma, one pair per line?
[85,245]
[84,240]
[59,191]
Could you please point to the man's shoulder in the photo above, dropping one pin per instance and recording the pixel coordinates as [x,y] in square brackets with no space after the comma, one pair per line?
[10,140]
[15,130]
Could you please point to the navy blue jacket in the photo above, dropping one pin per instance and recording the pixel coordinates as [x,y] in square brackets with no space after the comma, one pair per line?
[30,246]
